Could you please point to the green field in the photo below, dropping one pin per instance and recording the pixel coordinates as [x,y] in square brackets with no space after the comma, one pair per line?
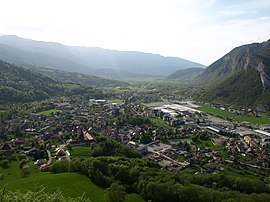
[71,86]
[80,151]
[124,89]
[49,112]
[209,144]
[159,122]
[116,101]
[134,198]
[224,114]
[120,89]
[70,184]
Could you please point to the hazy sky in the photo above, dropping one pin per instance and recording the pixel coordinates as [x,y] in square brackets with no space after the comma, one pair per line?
[197,30]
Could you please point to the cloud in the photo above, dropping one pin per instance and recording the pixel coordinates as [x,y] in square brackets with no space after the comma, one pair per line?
[235,12]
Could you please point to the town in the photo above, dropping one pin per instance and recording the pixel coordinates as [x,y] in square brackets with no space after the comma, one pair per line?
[174,133]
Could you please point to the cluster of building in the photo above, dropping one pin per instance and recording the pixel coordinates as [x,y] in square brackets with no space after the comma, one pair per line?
[177,115]
[77,118]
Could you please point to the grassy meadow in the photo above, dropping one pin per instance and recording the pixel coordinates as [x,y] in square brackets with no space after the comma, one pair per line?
[224,114]
[70,184]
[49,112]
[158,122]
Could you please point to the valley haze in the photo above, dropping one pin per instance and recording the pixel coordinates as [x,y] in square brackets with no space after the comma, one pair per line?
[96,61]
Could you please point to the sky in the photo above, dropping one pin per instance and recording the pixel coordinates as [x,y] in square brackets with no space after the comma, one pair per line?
[198,30]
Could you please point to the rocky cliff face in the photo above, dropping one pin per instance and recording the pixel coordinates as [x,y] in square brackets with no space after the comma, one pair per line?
[255,56]
[237,65]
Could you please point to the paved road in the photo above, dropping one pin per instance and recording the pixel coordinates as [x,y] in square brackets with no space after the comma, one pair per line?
[50,157]
[67,155]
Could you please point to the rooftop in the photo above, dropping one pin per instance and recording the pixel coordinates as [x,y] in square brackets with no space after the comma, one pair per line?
[262,132]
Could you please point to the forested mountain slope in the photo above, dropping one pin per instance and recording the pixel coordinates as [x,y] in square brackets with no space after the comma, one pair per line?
[22,85]
[241,77]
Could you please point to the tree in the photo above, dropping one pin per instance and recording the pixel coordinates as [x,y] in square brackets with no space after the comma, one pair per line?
[145,138]
[60,167]
[23,162]
[5,163]
[25,171]
[18,131]
[116,193]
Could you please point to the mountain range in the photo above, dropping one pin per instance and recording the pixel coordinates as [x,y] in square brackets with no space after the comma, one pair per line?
[241,77]
[88,60]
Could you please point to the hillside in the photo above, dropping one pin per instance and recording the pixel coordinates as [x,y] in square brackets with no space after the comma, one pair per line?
[241,77]
[88,60]
[73,77]
[186,74]
[22,85]
[18,56]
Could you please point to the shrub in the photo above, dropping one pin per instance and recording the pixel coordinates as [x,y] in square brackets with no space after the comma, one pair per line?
[5,164]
